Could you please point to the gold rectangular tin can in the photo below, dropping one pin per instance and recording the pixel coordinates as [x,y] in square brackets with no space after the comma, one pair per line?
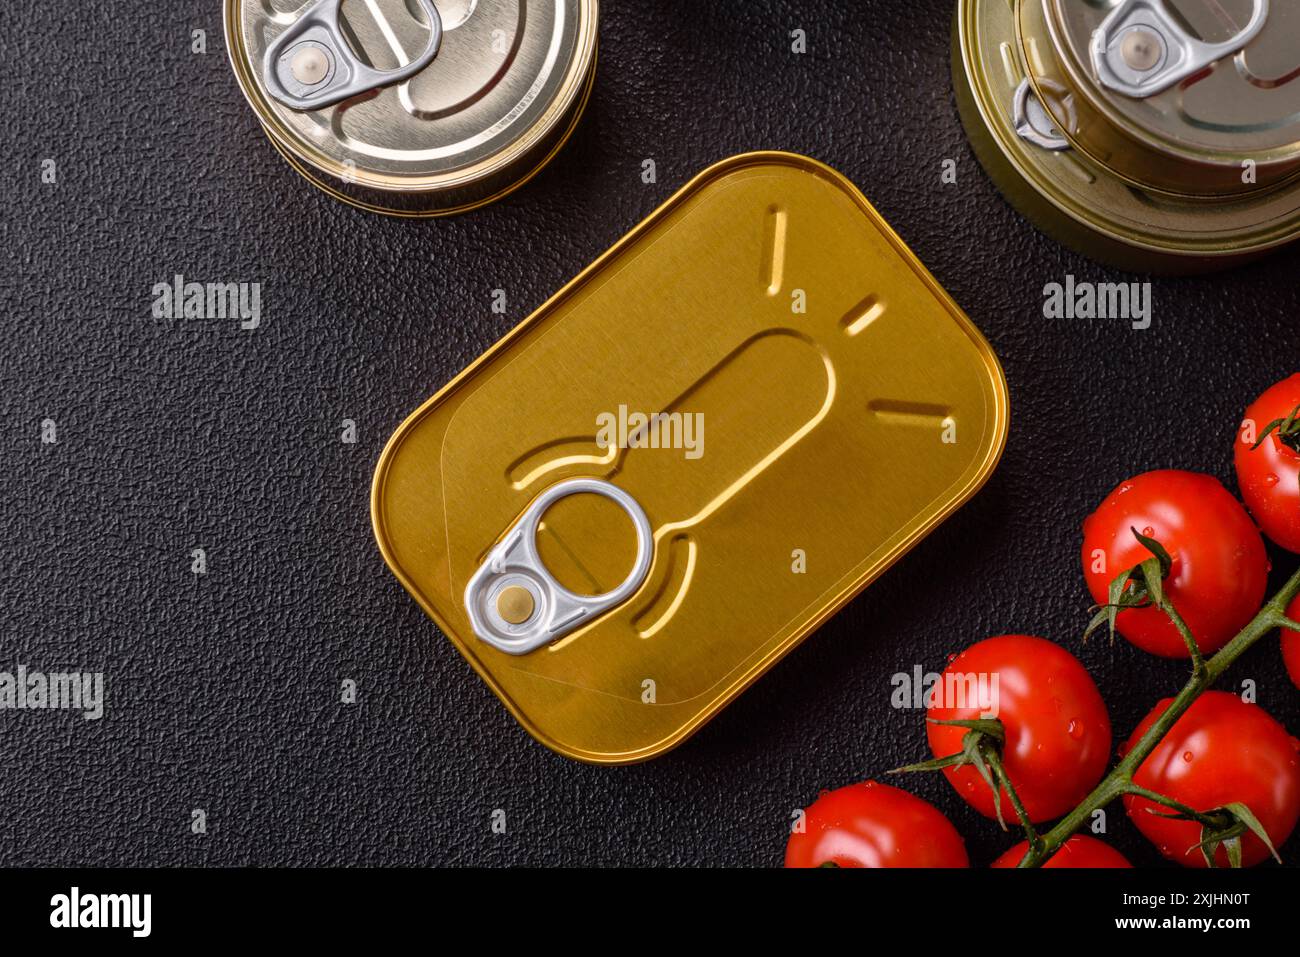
[845,407]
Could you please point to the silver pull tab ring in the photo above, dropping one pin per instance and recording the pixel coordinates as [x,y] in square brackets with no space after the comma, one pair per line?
[1141,50]
[310,65]
[516,605]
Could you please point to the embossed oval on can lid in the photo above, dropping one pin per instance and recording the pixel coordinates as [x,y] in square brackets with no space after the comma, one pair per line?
[771,401]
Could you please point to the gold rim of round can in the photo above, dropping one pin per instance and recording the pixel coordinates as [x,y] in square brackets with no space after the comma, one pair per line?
[1195,136]
[1072,196]
[504,92]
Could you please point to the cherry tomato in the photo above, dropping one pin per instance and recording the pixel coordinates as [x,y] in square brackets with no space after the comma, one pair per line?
[1220,567]
[1291,644]
[1269,476]
[1221,751]
[875,825]
[1078,851]
[1057,730]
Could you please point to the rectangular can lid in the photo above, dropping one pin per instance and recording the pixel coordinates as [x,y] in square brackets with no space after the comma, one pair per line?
[824,404]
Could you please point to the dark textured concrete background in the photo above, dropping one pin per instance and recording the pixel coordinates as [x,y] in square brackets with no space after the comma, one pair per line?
[223,690]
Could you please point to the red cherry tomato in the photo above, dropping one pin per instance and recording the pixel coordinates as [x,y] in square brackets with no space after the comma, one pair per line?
[1269,476]
[1222,751]
[1220,567]
[1057,730]
[1078,851]
[875,825]
[1291,644]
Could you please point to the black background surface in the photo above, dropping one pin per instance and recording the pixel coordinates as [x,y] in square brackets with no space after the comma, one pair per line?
[223,689]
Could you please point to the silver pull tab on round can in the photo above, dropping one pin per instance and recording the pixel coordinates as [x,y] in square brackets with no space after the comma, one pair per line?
[311,66]
[1141,50]
[516,605]
[1033,122]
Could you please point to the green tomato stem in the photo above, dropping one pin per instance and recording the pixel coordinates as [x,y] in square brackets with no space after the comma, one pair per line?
[1000,777]
[1156,797]
[1193,649]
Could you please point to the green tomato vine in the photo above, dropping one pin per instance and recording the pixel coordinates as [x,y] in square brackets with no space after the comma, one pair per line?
[1138,587]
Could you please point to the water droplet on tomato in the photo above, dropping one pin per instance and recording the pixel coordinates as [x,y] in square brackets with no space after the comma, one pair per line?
[1149,532]
[1270,480]
[1187,756]
[1075,729]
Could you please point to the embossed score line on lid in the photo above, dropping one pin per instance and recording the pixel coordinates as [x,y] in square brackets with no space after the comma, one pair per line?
[574,451]
[862,315]
[774,249]
[1264,83]
[917,414]
[1075,168]
[682,555]
[1009,65]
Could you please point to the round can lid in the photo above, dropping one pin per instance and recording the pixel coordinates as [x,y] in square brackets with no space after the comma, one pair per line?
[507,76]
[1070,193]
[1201,83]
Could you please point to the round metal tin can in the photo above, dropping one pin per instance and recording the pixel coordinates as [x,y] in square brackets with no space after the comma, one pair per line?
[446,105]
[1154,135]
